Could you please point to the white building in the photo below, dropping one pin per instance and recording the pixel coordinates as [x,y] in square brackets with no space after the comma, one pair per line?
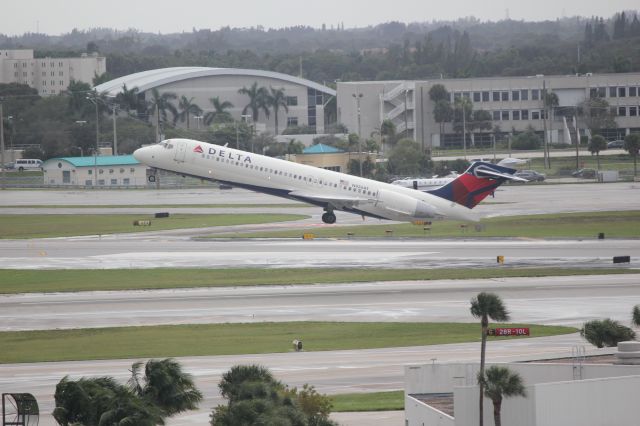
[556,394]
[306,100]
[49,76]
[100,171]
[514,104]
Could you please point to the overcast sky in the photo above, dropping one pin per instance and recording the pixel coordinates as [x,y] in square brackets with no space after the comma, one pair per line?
[166,16]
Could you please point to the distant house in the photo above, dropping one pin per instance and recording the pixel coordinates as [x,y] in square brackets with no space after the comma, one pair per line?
[102,171]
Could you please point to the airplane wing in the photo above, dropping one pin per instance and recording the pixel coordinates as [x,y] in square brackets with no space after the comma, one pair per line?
[335,200]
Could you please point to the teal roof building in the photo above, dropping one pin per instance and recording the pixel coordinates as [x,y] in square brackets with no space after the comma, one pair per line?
[100,171]
[100,161]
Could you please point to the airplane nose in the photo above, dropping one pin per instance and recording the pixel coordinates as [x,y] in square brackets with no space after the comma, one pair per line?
[143,155]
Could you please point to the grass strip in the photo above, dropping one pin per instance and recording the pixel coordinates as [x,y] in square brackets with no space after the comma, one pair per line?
[62,225]
[232,339]
[621,224]
[45,281]
[374,401]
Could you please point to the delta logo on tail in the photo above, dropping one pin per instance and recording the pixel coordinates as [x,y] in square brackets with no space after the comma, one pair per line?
[198,149]
[478,181]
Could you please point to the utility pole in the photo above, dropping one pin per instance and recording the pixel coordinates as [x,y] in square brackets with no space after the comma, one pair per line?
[544,122]
[575,124]
[115,134]
[95,154]
[463,103]
[157,123]
[2,146]
[358,97]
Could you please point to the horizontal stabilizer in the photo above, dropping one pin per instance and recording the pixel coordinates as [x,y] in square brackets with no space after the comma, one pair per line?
[481,171]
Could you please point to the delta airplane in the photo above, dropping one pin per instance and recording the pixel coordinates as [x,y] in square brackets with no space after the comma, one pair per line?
[324,188]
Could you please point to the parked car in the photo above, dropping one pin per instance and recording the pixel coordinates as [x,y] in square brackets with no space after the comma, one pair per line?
[584,173]
[615,144]
[530,175]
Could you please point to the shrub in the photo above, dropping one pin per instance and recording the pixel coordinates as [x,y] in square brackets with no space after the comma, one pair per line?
[606,332]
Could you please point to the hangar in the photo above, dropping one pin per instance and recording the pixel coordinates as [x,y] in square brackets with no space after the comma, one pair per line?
[306,100]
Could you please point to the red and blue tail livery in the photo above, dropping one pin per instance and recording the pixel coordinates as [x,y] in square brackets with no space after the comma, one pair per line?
[478,181]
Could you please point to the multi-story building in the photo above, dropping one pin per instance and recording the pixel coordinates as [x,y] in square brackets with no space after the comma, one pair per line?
[514,104]
[49,76]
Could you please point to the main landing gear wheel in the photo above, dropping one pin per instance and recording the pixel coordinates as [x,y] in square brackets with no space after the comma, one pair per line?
[329,218]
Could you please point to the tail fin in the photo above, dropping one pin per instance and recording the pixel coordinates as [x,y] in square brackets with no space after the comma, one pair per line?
[478,181]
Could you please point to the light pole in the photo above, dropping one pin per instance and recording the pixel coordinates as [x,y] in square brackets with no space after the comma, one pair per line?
[198,119]
[95,154]
[464,128]
[357,97]
[243,117]
[2,145]
[12,136]
[115,133]
[246,118]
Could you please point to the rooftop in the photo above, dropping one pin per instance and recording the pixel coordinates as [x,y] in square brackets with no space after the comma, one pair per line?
[146,80]
[104,160]
[321,149]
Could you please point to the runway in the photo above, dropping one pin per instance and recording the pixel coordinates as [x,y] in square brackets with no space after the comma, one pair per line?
[508,200]
[140,251]
[547,300]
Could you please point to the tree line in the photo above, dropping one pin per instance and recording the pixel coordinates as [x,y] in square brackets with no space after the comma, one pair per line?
[161,389]
[393,50]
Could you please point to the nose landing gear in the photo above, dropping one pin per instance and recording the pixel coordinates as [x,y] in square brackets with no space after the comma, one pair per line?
[329,217]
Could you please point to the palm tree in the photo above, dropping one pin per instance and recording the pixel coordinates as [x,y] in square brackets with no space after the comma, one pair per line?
[632,146]
[257,100]
[635,316]
[165,385]
[218,114]
[597,144]
[485,306]
[499,383]
[128,98]
[233,379]
[387,134]
[128,409]
[186,108]
[277,99]
[162,102]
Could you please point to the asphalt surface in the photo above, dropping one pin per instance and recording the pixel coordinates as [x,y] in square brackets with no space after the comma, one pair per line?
[509,200]
[547,300]
[140,251]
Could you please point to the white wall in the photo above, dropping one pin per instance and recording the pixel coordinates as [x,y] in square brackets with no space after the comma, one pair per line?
[553,396]
[598,402]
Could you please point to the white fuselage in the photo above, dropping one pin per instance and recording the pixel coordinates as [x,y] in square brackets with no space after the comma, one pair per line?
[423,184]
[298,181]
